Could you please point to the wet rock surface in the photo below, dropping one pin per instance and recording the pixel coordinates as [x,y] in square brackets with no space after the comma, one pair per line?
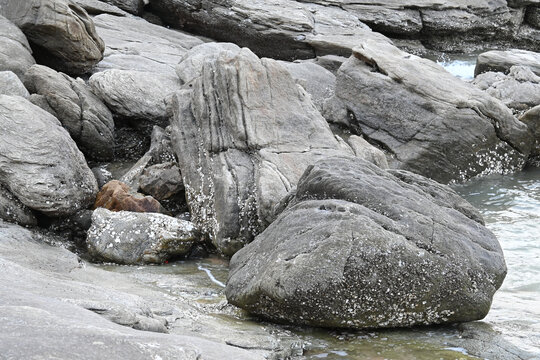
[39,162]
[394,250]
[444,129]
[16,54]
[83,114]
[136,238]
[238,156]
[12,210]
[61,33]
[117,196]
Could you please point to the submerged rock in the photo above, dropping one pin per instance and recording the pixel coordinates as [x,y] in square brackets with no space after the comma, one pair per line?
[61,33]
[519,89]
[135,238]
[87,119]
[361,247]
[16,54]
[39,162]
[243,135]
[117,196]
[502,61]
[427,120]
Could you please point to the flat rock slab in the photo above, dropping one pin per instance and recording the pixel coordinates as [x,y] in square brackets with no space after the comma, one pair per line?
[361,247]
[61,32]
[135,44]
[139,238]
[502,61]
[244,133]
[429,121]
[39,162]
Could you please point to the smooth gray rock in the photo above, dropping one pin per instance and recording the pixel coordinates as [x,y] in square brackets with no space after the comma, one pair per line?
[11,85]
[243,134]
[61,32]
[502,61]
[12,210]
[427,120]
[16,54]
[83,114]
[47,292]
[316,80]
[161,181]
[138,238]
[39,162]
[519,89]
[97,7]
[135,94]
[358,247]
[280,29]
[135,44]
[532,119]
[364,150]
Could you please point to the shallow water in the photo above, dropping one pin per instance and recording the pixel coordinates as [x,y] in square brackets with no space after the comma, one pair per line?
[511,207]
[461,66]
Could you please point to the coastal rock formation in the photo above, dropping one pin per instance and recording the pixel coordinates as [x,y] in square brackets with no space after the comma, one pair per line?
[61,33]
[86,118]
[11,85]
[427,120]
[239,155]
[117,196]
[391,247]
[132,6]
[502,61]
[135,94]
[16,54]
[135,44]
[136,238]
[96,7]
[519,89]
[39,162]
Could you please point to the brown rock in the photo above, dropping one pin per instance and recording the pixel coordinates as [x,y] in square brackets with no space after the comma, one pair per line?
[117,196]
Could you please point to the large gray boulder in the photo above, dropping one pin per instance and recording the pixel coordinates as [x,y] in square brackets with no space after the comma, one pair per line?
[86,118]
[10,84]
[429,121]
[135,94]
[138,238]
[39,162]
[135,44]
[280,29]
[502,61]
[61,33]
[519,89]
[16,54]
[244,133]
[361,247]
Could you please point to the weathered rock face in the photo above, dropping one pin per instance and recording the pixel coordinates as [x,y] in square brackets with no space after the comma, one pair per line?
[161,181]
[135,94]
[364,150]
[502,61]
[96,7]
[429,121]
[131,6]
[532,119]
[87,119]
[117,196]
[16,53]
[135,238]
[361,247]
[279,29]
[11,85]
[243,137]
[135,44]
[519,90]
[61,33]
[12,210]
[39,162]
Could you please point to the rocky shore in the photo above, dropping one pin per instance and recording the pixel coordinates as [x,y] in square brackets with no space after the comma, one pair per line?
[306,141]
